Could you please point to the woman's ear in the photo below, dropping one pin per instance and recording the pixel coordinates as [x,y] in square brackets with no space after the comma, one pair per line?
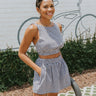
[38,10]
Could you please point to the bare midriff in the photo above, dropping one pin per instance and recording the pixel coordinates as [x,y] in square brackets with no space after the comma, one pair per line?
[50,56]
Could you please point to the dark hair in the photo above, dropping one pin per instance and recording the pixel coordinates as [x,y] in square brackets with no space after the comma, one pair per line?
[38,3]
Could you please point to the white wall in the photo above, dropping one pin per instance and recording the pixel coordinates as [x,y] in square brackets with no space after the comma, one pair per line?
[14,12]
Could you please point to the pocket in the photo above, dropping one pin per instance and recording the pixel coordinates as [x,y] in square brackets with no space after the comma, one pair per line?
[42,76]
[41,73]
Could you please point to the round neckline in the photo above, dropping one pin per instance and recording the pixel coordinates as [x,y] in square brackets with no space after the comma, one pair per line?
[47,26]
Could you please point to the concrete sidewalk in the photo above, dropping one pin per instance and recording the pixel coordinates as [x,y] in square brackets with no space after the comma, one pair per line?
[86,91]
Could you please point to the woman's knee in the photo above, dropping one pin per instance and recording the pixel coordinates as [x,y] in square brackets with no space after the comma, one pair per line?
[52,94]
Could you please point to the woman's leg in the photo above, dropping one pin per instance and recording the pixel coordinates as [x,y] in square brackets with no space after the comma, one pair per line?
[35,94]
[52,94]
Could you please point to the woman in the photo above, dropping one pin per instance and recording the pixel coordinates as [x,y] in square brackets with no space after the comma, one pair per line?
[50,70]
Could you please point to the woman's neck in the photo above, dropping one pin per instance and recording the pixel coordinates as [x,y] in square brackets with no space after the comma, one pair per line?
[45,22]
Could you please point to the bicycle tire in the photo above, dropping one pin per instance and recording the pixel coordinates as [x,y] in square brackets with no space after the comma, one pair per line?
[75,87]
[80,20]
[18,34]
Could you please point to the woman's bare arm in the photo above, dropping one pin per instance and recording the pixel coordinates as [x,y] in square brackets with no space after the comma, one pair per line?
[29,35]
[60,26]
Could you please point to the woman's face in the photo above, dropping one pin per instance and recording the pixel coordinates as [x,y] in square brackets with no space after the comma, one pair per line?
[46,9]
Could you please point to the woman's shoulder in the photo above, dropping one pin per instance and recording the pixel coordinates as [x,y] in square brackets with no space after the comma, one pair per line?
[33,27]
[60,26]
[32,30]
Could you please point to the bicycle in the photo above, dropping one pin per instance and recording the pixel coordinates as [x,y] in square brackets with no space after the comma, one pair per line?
[70,15]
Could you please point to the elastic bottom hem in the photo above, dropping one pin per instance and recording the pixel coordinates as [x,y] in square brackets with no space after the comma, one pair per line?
[43,93]
[35,91]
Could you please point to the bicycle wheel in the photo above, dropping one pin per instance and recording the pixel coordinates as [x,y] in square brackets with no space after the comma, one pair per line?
[24,26]
[85,27]
[75,87]
[56,2]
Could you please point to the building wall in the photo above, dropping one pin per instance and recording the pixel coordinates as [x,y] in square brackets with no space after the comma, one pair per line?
[14,12]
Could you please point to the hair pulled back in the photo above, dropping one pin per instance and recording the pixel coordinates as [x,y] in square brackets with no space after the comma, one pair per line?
[38,3]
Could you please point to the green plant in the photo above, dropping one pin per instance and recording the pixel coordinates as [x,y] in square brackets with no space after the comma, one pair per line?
[13,71]
[78,55]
